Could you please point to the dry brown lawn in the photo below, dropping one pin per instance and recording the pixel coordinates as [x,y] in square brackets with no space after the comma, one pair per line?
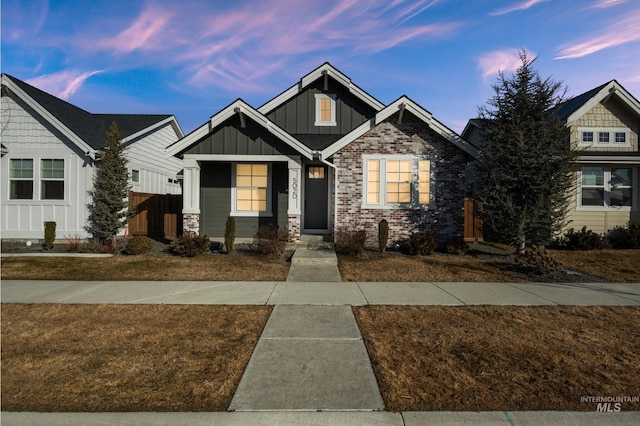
[156,267]
[502,358]
[614,265]
[124,357]
[598,265]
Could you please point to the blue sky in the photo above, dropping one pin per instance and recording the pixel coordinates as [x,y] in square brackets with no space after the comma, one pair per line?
[191,58]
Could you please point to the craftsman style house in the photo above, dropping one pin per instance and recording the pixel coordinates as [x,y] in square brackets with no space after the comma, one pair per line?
[49,149]
[604,123]
[324,156]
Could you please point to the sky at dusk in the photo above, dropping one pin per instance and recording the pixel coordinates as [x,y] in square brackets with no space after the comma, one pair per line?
[190,58]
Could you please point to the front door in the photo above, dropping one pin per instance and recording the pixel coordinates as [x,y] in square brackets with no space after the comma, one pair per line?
[316,197]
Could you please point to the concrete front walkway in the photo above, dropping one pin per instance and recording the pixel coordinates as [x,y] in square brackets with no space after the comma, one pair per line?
[309,358]
[320,293]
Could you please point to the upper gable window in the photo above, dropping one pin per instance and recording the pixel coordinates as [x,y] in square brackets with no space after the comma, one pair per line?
[325,110]
[603,136]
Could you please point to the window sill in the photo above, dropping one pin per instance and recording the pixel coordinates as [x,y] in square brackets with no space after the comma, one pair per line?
[325,124]
[605,209]
[398,206]
[251,214]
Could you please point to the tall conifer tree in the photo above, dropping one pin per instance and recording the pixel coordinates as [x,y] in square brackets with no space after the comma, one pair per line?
[109,209]
[524,176]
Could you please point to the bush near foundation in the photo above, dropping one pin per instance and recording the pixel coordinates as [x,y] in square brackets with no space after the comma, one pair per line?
[138,244]
[351,243]
[622,237]
[419,244]
[456,246]
[270,240]
[585,239]
[49,234]
[190,244]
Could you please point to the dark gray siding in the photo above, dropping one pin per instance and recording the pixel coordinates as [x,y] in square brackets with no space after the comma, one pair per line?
[215,201]
[230,138]
[297,116]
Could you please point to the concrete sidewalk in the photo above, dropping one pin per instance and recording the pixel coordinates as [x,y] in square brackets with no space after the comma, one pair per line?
[320,293]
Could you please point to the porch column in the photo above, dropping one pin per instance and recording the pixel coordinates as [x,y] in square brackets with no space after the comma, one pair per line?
[293,211]
[191,196]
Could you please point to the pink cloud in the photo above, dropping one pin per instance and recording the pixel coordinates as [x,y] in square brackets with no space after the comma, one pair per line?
[141,34]
[62,84]
[620,32]
[493,63]
[519,6]
[602,4]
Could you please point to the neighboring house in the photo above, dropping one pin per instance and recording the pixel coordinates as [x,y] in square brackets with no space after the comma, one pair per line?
[324,156]
[49,149]
[604,124]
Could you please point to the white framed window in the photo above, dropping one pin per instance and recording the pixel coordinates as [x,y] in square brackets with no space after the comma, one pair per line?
[21,179]
[325,110]
[135,176]
[603,187]
[392,181]
[52,179]
[605,136]
[250,193]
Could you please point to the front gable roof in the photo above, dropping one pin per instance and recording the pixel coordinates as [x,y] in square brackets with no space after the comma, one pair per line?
[402,104]
[83,128]
[328,70]
[574,108]
[245,111]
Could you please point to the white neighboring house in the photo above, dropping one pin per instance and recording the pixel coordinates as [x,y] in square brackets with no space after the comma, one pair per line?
[49,149]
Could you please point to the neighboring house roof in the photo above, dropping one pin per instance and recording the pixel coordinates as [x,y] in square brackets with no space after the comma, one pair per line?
[85,129]
[576,107]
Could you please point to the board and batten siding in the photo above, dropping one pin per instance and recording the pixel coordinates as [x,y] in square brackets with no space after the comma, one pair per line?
[146,154]
[232,139]
[26,137]
[215,201]
[297,116]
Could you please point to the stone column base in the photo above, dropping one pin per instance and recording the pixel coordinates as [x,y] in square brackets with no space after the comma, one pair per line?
[294,228]
[191,222]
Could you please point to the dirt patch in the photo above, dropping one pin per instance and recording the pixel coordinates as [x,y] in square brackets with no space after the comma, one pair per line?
[487,358]
[125,358]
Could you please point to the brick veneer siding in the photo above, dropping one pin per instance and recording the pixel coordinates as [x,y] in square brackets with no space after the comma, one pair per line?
[191,222]
[411,137]
[294,228]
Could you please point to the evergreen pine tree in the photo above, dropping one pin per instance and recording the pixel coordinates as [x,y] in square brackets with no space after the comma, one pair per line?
[109,209]
[524,176]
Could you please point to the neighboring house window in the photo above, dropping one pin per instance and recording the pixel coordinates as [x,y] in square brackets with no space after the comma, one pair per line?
[606,187]
[52,179]
[251,194]
[21,176]
[135,175]
[392,181]
[605,136]
[325,110]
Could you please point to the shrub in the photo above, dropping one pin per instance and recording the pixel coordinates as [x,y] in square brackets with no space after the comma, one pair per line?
[49,234]
[585,239]
[419,243]
[270,240]
[383,235]
[625,238]
[139,244]
[539,261]
[190,244]
[230,233]
[456,245]
[351,242]
[73,244]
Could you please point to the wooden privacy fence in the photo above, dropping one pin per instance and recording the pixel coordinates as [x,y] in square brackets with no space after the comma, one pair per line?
[156,214]
[472,221]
